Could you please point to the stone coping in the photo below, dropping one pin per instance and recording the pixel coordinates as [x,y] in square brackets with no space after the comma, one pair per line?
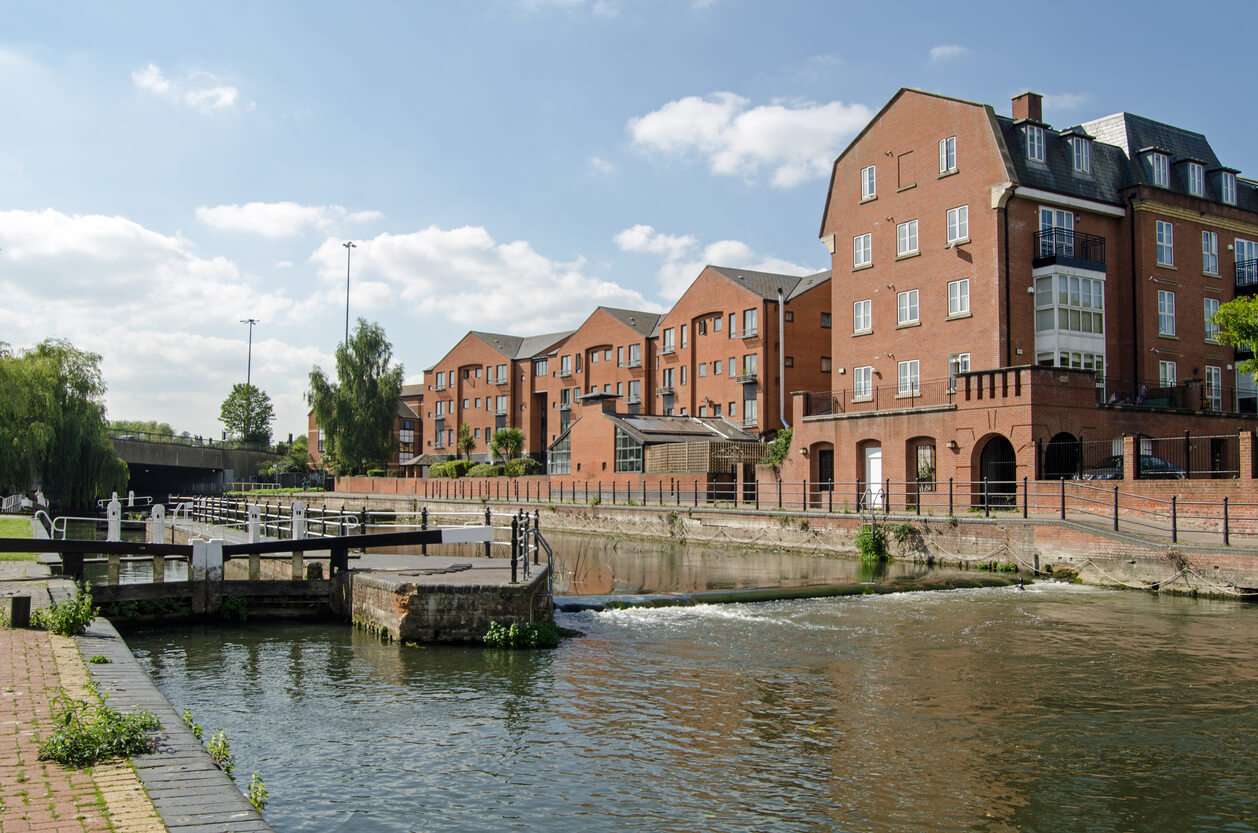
[190,793]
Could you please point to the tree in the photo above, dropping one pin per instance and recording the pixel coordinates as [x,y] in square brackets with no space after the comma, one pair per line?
[507,443]
[466,442]
[140,426]
[1238,326]
[778,448]
[53,431]
[247,414]
[356,412]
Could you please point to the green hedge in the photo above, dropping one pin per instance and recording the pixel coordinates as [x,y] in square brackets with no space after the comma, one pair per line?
[450,468]
[484,470]
[522,466]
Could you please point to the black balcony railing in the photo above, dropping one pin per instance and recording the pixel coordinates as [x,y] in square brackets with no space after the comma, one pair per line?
[1190,395]
[881,398]
[1247,274]
[1069,248]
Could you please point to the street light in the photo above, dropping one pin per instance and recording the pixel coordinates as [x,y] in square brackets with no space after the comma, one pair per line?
[249,377]
[349,245]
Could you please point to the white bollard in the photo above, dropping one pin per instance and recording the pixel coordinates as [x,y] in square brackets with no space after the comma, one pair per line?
[157,525]
[214,559]
[113,514]
[130,499]
[298,518]
[255,518]
[196,567]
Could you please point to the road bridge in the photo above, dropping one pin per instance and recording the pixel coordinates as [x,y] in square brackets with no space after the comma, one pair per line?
[162,464]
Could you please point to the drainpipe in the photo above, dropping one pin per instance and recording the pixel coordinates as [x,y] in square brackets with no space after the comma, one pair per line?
[782,359]
[1135,291]
[1008,281]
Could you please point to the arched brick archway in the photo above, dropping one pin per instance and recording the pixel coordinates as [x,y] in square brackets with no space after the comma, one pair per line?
[995,466]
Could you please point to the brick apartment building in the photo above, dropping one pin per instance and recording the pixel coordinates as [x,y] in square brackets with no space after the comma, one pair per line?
[715,354]
[1009,283]
[407,429]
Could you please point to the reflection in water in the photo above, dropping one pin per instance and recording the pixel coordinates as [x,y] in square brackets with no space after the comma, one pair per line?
[1052,709]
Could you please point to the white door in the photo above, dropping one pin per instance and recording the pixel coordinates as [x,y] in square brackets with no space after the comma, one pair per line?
[873,477]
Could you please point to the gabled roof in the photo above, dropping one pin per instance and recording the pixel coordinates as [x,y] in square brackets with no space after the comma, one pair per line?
[640,322]
[767,284]
[405,412]
[676,429]
[521,347]
[412,390]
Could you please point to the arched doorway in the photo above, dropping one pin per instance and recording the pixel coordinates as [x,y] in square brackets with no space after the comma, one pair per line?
[821,470]
[1062,458]
[997,472]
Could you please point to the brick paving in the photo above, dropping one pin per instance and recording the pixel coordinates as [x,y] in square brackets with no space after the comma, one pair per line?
[45,797]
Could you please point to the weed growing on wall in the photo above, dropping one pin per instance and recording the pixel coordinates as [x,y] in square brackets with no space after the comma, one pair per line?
[221,752]
[517,637]
[257,794]
[68,618]
[871,543]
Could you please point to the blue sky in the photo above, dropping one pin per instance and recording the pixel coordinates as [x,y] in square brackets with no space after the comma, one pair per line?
[166,170]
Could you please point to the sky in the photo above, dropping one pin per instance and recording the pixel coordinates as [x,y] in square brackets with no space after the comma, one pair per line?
[167,170]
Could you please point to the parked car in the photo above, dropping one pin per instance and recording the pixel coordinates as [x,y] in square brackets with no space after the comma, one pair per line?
[1151,468]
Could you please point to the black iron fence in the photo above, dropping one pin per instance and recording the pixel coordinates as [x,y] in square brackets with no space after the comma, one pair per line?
[1067,458]
[895,397]
[1188,456]
[1068,244]
[1190,395]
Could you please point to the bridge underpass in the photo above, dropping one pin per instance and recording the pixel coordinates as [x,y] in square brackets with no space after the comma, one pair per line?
[160,465]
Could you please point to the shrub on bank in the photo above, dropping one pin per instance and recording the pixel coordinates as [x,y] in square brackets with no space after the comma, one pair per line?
[484,470]
[522,466]
[450,468]
[68,618]
[871,543]
[518,637]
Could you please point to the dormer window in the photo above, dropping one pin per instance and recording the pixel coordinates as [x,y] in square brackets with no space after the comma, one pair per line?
[1227,188]
[1082,148]
[1196,179]
[1034,143]
[1159,170]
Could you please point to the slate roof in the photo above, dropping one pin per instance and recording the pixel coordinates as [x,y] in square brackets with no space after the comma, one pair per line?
[412,390]
[675,429]
[405,411]
[640,322]
[516,347]
[1057,172]
[767,284]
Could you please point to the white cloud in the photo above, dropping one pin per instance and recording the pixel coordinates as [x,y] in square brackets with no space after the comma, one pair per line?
[684,259]
[164,318]
[281,219]
[947,52]
[200,91]
[796,140]
[466,276]
[1064,101]
[599,165]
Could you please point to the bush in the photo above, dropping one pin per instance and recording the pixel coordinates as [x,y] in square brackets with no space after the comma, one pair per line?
[484,470]
[99,659]
[871,543]
[68,618]
[515,637]
[450,468]
[86,733]
[375,472]
[522,466]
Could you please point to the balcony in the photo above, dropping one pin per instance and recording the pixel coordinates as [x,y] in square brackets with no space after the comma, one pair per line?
[633,363]
[1247,276]
[501,380]
[500,411]
[940,392]
[668,349]
[633,400]
[565,406]
[749,377]
[565,372]
[751,422]
[1066,247]
[666,390]
[1191,395]
[750,332]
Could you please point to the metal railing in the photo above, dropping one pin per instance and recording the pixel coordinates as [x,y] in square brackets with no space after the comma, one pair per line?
[1247,272]
[185,439]
[1068,245]
[939,392]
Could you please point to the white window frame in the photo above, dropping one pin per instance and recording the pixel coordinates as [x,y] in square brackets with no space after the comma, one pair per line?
[1081,152]
[1166,312]
[1227,187]
[862,250]
[907,310]
[958,224]
[1165,242]
[1160,169]
[1196,179]
[1214,387]
[869,182]
[948,155]
[959,297]
[863,383]
[863,314]
[958,363]
[1209,309]
[1210,253]
[1168,374]
[909,378]
[906,238]
[1034,142]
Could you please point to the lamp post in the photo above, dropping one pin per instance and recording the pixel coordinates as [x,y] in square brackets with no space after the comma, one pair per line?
[349,247]
[249,377]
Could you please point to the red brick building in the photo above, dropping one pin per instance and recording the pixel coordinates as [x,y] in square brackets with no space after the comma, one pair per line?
[966,243]
[407,429]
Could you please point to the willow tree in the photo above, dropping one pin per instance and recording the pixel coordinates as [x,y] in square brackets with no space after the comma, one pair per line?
[53,431]
[356,411]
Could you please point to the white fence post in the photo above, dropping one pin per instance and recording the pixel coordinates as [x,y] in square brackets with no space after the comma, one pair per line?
[130,499]
[255,517]
[157,524]
[113,515]
[298,519]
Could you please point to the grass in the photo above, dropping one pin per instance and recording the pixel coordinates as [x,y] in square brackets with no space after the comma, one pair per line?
[19,527]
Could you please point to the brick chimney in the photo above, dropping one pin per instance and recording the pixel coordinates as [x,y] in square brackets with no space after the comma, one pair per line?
[1028,105]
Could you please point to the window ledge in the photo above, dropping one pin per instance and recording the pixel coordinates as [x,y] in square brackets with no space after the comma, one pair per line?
[909,255]
[1212,274]
[908,325]
[862,266]
[868,199]
[958,316]
[946,174]
[952,244]
[909,395]
[1162,265]
[1168,337]
[904,188]
[857,333]
[862,399]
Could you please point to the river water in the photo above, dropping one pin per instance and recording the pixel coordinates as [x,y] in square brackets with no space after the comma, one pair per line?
[1057,708]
